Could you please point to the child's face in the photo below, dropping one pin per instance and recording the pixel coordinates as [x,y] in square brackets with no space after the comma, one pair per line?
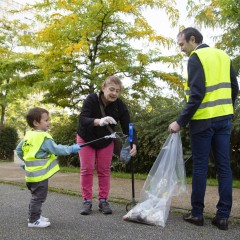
[44,123]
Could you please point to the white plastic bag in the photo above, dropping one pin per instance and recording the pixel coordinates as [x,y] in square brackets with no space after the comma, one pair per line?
[165,180]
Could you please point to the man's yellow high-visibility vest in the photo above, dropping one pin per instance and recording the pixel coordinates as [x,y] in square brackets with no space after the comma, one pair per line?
[218,96]
[37,169]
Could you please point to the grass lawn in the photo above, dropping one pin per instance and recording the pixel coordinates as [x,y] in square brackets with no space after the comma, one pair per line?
[140,176]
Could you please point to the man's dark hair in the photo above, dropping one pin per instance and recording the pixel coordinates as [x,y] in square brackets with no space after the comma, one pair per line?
[188,32]
[35,114]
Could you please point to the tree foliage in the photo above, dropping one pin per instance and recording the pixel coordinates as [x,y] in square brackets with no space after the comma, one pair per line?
[222,14]
[152,126]
[16,68]
[82,42]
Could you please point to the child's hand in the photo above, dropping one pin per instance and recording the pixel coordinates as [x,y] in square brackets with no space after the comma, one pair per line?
[75,148]
[22,165]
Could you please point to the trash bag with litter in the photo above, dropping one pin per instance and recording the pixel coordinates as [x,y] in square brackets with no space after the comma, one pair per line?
[165,180]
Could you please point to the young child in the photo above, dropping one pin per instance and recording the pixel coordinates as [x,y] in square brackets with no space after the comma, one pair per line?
[38,151]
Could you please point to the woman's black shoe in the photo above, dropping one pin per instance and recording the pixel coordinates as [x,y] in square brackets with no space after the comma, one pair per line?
[194,220]
[221,223]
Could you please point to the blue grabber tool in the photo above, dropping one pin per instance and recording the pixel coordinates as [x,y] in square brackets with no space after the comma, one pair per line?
[133,202]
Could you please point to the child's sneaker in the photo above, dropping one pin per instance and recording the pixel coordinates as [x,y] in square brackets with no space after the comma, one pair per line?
[39,224]
[44,219]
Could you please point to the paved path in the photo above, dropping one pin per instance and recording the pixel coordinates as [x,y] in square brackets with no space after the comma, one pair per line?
[14,201]
[68,224]
[121,189]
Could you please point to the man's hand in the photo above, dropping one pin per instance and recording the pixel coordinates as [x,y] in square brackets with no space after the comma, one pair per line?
[174,127]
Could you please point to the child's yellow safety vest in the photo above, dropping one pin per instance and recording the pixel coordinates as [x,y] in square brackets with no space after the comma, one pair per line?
[37,170]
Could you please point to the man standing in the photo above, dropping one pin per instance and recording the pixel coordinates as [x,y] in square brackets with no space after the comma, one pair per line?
[211,90]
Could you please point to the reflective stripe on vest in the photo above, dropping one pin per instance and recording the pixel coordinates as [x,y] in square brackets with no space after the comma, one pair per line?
[42,172]
[37,170]
[218,96]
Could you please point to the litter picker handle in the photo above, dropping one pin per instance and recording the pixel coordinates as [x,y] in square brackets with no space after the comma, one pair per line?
[85,144]
[132,164]
[130,136]
[113,135]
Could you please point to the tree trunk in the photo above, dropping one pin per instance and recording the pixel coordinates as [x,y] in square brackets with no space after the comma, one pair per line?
[2,116]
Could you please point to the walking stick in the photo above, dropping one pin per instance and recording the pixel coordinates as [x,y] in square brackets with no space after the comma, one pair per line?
[133,202]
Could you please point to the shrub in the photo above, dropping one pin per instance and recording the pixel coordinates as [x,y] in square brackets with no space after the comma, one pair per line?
[8,142]
[64,132]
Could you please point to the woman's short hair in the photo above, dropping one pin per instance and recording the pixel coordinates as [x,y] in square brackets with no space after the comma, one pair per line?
[112,79]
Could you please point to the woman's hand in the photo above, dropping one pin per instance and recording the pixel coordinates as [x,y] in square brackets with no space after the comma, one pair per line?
[133,151]
[107,120]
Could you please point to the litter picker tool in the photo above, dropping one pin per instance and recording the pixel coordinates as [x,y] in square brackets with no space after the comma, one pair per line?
[113,135]
[133,202]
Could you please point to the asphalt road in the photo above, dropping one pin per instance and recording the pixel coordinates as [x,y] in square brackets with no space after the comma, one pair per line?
[67,223]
